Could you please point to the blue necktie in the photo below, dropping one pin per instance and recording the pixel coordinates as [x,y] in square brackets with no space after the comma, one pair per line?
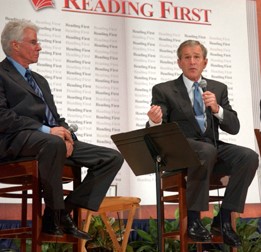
[49,116]
[198,107]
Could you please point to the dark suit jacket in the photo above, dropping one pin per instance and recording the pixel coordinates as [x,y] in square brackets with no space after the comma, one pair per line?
[173,98]
[21,110]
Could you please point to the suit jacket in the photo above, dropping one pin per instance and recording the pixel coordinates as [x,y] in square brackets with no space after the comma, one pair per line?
[21,110]
[176,106]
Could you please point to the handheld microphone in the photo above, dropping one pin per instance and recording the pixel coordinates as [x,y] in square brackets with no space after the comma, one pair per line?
[203,84]
[73,128]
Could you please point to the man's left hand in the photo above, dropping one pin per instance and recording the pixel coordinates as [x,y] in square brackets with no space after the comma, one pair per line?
[210,101]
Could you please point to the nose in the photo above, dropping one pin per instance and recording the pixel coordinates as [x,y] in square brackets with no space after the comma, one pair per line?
[39,48]
[192,60]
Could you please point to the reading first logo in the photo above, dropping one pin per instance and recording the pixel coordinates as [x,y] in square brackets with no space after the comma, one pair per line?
[165,10]
[40,4]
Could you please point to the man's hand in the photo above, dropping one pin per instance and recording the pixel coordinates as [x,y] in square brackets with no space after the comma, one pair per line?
[66,136]
[155,114]
[63,133]
[69,148]
[210,101]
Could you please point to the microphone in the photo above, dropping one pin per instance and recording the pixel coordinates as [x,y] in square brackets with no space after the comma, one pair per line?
[203,84]
[73,128]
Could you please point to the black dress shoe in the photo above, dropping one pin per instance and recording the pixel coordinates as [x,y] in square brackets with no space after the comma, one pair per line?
[229,235]
[68,227]
[197,232]
[50,222]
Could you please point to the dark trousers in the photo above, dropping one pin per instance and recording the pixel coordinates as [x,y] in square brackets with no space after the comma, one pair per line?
[241,164]
[102,163]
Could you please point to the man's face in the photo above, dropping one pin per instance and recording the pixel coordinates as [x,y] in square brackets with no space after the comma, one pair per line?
[27,50]
[192,62]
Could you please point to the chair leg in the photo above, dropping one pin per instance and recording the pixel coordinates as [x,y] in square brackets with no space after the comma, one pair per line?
[86,226]
[36,215]
[128,227]
[111,232]
[183,214]
[199,247]
[23,219]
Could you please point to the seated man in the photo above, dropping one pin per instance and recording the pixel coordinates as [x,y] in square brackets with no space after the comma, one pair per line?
[31,126]
[200,115]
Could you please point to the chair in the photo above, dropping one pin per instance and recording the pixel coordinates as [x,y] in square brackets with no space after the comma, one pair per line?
[175,182]
[114,204]
[21,181]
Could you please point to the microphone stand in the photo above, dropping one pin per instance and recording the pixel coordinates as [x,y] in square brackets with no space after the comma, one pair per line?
[158,163]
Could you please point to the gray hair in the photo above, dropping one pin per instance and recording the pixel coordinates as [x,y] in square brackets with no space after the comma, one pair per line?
[14,31]
[192,43]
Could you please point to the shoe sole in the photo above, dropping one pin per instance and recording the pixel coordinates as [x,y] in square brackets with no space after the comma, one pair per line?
[79,236]
[217,232]
[199,240]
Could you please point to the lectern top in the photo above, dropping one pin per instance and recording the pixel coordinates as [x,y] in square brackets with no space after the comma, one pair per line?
[168,141]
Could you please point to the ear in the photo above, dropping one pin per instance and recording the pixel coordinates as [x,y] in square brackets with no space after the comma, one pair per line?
[178,61]
[206,62]
[15,45]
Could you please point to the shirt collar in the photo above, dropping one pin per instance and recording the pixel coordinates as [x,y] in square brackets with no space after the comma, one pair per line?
[17,66]
[189,83]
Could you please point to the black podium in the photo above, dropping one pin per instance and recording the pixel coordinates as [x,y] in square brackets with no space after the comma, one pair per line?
[154,150]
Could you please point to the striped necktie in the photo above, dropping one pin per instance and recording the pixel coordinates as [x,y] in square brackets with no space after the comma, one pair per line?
[198,107]
[49,116]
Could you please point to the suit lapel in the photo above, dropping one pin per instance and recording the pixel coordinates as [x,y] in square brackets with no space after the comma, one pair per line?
[16,76]
[182,97]
[20,81]
[184,102]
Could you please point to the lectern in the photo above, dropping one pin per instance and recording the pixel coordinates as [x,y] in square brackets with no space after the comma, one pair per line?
[155,150]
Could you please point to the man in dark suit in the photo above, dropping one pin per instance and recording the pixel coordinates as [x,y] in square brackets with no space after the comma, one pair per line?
[31,126]
[173,101]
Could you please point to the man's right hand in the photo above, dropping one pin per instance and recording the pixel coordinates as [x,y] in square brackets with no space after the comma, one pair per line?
[69,148]
[63,133]
[155,114]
